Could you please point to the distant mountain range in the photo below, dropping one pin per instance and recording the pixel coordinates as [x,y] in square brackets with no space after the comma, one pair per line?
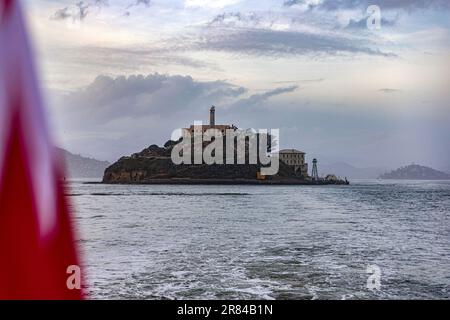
[82,167]
[342,169]
[416,172]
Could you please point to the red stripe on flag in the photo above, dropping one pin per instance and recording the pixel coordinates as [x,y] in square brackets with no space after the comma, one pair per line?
[30,266]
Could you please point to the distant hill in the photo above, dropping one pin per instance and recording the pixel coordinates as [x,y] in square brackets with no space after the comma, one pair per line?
[342,169]
[416,172]
[82,167]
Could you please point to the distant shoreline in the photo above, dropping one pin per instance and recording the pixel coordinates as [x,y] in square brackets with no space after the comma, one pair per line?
[414,179]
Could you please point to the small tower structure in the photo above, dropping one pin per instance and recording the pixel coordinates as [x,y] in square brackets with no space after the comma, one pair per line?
[315,172]
[212,116]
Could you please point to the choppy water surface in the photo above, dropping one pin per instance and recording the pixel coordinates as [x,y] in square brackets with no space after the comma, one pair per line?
[269,242]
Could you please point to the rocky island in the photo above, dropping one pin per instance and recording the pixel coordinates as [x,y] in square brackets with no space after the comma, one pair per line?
[155,164]
[416,172]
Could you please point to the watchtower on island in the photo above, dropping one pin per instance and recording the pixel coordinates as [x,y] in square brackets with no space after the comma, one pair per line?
[315,172]
[212,116]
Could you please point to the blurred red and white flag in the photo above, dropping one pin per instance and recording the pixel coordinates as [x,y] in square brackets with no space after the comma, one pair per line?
[37,247]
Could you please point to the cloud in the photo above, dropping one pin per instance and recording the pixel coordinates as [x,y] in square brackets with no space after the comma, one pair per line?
[389,90]
[268,34]
[303,3]
[128,113]
[145,2]
[300,81]
[138,2]
[275,43]
[263,34]
[108,99]
[331,5]
[136,57]
[210,4]
[236,19]
[258,99]
[62,14]
[81,64]
[78,11]
[362,23]
[101,3]
[313,80]
[118,116]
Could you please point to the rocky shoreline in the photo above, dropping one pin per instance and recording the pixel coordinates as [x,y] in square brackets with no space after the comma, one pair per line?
[177,181]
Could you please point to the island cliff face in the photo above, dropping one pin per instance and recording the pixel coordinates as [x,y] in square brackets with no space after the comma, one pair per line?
[154,164]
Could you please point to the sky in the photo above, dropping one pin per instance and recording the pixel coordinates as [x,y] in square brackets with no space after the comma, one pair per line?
[122,75]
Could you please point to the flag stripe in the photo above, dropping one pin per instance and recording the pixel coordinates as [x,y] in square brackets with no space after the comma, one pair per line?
[18,209]
[29,268]
[22,81]
[4,114]
[36,237]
